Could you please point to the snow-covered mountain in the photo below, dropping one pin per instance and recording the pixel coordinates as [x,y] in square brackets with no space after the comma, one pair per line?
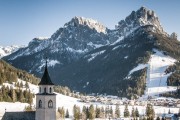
[141,17]
[4,51]
[89,57]
[66,45]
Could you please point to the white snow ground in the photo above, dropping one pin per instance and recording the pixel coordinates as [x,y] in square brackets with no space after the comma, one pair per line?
[68,103]
[156,77]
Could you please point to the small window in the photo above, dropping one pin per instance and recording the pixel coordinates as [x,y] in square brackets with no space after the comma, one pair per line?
[40,89]
[44,90]
[40,104]
[50,104]
[50,90]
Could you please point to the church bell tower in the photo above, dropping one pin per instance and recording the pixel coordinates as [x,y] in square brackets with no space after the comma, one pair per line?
[46,99]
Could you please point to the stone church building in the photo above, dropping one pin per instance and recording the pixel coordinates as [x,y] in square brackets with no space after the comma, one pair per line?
[45,103]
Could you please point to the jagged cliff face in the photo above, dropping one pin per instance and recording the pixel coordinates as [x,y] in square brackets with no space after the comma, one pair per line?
[136,19]
[80,35]
[84,52]
[66,45]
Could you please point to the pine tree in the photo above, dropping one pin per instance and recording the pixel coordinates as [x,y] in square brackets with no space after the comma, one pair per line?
[169,112]
[61,112]
[30,97]
[13,95]
[21,96]
[67,113]
[111,112]
[150,111]
[76,112]
[107,112]
[117,111]
[87,112]
[158,118]
[102,115]
[21,84]
[4,94]
[98,112]
[26,85]
[17,85]
[137,113]
[133,114]
[1,81]
[126,111]
[91,112]
[84,113]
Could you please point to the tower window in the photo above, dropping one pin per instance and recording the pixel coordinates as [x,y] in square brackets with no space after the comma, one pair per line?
[50,104]
[44,90]
[40,89]
[50,90]
[40,104]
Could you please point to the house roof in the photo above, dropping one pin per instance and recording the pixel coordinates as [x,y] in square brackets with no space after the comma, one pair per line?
[29,115]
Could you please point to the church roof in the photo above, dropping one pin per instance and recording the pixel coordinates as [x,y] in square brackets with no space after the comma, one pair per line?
[19,115]
[46,80]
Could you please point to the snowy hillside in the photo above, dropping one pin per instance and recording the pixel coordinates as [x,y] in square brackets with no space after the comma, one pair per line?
[68,103]
[157,78]
[4,51]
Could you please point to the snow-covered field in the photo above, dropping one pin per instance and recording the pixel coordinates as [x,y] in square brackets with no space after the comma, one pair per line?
[68,103]
[156,77]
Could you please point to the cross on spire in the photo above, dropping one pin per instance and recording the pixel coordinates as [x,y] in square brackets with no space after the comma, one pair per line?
[46,80]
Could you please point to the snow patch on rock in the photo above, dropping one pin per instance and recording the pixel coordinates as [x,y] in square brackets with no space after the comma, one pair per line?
[95,55]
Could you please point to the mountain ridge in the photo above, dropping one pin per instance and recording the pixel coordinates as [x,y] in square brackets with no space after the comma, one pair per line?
[73,48]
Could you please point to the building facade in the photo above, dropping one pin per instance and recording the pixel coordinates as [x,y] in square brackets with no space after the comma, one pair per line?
[46,98]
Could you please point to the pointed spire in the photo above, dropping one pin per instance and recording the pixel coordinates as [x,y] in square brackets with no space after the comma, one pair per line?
[46,62]
[46,80]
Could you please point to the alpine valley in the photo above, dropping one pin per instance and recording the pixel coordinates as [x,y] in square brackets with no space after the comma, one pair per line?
[88,57]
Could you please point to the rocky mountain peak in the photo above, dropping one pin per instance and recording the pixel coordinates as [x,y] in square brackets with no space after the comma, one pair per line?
[81,21]
[37,40]
[141,17]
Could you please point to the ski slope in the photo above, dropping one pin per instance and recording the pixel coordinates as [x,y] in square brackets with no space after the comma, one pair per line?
[156,77]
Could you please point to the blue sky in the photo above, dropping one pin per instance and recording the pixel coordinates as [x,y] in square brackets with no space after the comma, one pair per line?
[22,20]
